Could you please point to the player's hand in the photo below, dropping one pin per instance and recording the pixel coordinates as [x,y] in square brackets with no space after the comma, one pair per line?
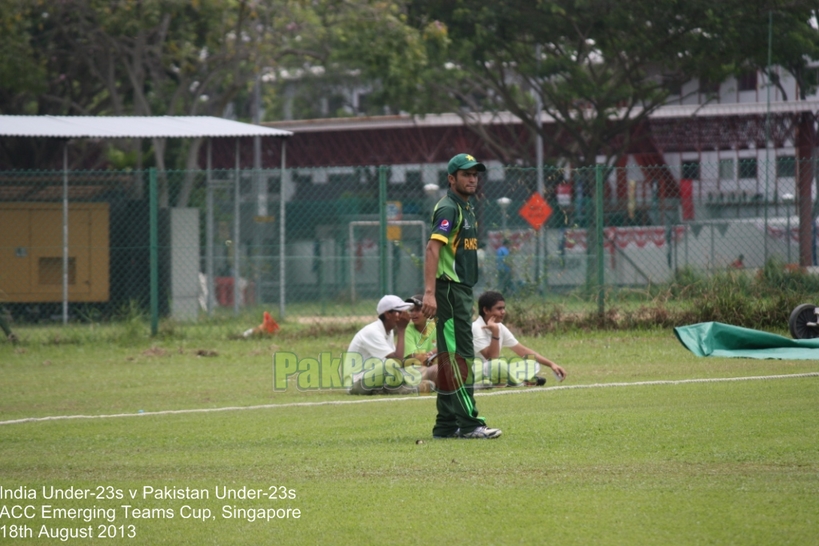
[492,326]
[403,320]
[559,371]
[430,306]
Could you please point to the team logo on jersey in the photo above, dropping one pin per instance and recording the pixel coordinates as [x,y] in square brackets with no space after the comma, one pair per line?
[444,225]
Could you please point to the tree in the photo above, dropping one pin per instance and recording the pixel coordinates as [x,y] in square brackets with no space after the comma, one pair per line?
[163,57]
[170,58]
[598,67]
[795,42]
[40,74]
[357,44]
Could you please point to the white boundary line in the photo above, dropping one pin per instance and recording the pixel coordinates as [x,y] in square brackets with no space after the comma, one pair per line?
[381,399]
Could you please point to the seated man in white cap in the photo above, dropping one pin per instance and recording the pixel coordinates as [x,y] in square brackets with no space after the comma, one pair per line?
[373,362]
[489,336]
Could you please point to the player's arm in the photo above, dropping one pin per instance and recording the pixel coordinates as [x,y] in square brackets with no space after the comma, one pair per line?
[493,349]
[524,351]
[400,330]
[431,257]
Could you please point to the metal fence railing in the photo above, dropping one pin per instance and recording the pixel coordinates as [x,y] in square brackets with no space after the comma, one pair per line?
[330,241]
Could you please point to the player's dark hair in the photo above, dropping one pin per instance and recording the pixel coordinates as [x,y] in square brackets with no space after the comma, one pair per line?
[487,300]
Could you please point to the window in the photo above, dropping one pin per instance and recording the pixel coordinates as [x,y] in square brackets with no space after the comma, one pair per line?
[708,87]
[726,169]
[414,178]
[747,167]
[364,100]
[443,181]
[691,170]
[747,81]
[785,166]
[273,185]
[673,84]
[336,105]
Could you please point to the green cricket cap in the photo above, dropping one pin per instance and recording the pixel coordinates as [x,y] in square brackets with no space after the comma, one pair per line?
[461,162]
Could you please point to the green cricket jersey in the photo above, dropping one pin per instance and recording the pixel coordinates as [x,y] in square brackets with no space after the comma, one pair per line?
[454,224]
[419,342]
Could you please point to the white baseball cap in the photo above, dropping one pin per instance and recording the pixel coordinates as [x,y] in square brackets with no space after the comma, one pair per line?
[391,303]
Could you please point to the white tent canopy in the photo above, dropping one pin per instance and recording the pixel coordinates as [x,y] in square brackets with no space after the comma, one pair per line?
[131,127]
[70,127]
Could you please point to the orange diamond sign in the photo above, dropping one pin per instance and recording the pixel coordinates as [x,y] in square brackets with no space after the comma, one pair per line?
[535,211]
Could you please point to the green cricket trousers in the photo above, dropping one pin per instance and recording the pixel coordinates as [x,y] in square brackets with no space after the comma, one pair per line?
[456,402]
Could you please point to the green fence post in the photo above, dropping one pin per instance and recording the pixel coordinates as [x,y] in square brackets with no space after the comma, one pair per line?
[598,207]
[154,244]
[382,209]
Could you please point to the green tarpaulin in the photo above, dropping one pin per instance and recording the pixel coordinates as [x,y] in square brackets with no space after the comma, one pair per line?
[718,339]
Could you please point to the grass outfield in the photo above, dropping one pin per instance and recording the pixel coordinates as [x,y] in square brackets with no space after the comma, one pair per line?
[692,463]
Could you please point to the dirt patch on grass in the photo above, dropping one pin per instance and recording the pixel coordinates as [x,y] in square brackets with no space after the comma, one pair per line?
[335,320]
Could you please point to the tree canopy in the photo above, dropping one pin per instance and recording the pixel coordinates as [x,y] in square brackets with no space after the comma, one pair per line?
[166,57]
[597,67]
[600,67]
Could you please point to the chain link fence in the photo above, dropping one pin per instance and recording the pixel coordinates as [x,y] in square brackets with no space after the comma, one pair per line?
[307,243]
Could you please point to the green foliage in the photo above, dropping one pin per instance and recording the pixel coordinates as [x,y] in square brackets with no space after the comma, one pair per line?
[588,61]
[154,57]
[761,301]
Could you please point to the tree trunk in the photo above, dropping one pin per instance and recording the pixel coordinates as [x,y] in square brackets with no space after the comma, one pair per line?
[805,144]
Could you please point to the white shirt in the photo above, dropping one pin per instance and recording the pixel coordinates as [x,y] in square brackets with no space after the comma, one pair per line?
[482,337]
[372,341]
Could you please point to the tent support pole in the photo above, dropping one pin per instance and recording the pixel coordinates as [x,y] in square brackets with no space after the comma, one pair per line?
[211,285]
[282,224]
[153,234]
[65,233]
[236,237]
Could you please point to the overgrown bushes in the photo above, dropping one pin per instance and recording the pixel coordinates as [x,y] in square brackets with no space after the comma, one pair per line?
[760,299]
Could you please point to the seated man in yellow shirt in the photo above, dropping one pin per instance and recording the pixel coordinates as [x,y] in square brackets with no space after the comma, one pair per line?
[420,341]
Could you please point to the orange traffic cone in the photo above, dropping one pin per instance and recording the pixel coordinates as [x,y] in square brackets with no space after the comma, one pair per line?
[268,326]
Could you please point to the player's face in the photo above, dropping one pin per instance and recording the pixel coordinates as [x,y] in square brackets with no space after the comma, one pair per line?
[464,183]
[395,317]
[498,311]
[416,316]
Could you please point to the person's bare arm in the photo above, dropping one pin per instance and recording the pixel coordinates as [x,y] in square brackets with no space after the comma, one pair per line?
[493,349]
[431,257]
[400,330]
[524,351]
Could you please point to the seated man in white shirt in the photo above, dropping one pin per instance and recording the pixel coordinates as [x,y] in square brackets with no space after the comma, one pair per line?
[373,362]
[490,335]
